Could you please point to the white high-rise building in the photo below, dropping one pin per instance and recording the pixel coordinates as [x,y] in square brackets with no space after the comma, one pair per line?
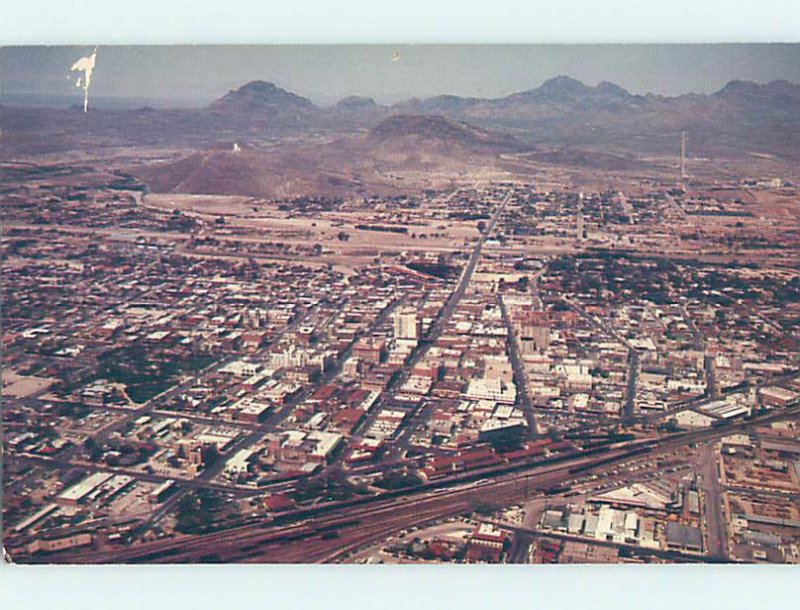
[406,325]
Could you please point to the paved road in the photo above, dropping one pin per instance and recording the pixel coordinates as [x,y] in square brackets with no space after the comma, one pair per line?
[520,375]
[520,547]
[715,520]
[398,448]
[711,376]
[627,208]
[629,411]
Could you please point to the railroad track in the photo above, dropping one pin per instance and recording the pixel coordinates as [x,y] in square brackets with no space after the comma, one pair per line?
[310,537]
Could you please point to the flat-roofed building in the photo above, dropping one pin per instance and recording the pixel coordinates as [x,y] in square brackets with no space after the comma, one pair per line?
[79,492]
[684,537]
[492,389]
[775,396]
[59,544]
[161,492]
[241,368]
[487,543]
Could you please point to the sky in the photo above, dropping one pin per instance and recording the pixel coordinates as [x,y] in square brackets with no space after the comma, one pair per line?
[196,75]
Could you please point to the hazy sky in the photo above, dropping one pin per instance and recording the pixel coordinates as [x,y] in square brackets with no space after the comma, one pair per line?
[181,75]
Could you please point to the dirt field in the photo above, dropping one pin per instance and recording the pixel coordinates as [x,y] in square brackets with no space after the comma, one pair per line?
[21,386]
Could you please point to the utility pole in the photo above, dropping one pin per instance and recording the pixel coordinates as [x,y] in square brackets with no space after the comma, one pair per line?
[683,155]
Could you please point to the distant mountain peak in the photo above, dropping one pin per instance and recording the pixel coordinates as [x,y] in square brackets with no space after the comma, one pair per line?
[259,94]
[562,86]
[777,94]
[445,104]
[437,129]
[737,87]
[356,102]
[612,89]
[416,124]
[260,85]
[569,92]
[562,80]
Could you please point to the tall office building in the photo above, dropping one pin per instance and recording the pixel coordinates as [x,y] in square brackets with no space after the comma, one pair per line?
[406,325]
[533,329]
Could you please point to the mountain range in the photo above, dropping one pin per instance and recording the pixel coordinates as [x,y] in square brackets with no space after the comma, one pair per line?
[560,90]
[741,119]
